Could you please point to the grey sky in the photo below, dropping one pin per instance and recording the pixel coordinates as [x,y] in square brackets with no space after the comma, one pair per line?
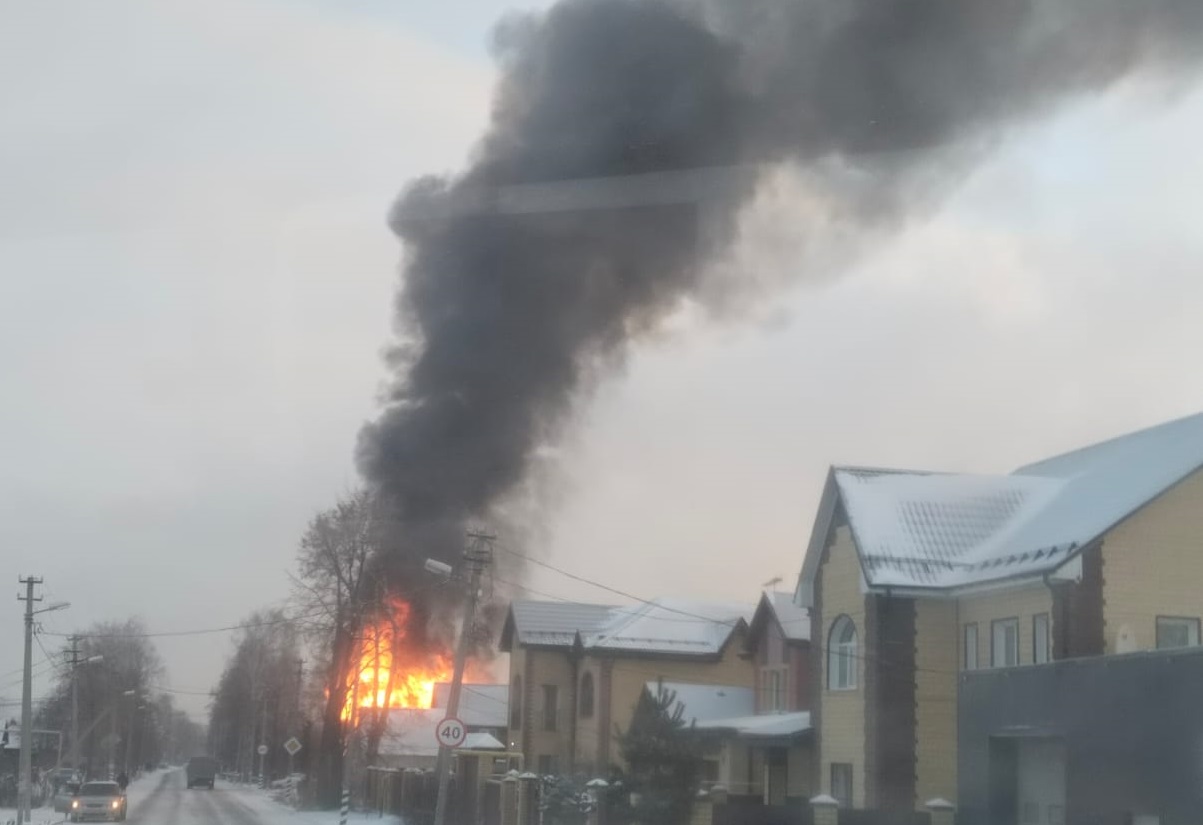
[195,281]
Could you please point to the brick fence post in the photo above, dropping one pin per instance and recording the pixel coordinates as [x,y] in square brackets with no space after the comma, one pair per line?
[509,799]
[942,811]
[528,799]
[827,810]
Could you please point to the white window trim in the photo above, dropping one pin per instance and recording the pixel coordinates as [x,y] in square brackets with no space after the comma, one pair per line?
[970,631]
[1037,636]
[1192,632]
[1009,622]
[841,654]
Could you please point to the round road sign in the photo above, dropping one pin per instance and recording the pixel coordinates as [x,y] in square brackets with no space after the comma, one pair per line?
[262,749]
[451,732]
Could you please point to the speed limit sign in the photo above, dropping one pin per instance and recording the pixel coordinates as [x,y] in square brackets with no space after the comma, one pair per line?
[451,732]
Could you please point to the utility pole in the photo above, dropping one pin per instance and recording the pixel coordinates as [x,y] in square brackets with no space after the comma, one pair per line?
[477,557]
[73,651]
[25,781]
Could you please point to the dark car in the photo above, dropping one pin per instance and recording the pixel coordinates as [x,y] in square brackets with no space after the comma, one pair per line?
[103,801]
[201,772]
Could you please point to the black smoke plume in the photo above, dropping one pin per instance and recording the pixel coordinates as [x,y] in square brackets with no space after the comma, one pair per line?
[514,297]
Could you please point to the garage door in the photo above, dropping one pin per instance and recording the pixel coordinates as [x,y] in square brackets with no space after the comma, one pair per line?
[1041,775]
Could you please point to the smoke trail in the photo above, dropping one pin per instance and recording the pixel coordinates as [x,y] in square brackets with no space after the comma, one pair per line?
[514,298]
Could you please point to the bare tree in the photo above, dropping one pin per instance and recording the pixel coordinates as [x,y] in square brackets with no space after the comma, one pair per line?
[257,697]
[334,584]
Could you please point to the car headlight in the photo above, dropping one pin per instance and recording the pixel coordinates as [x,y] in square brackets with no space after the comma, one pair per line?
[74,803]
[116,804]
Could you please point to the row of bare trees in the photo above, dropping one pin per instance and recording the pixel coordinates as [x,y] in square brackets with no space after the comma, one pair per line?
[124,718]
[261,697]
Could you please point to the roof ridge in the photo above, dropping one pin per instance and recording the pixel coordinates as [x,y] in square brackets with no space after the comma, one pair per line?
[1095,444]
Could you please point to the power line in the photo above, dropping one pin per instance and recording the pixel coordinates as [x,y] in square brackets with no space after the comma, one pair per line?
[615,590]
[196,632]
[814,644]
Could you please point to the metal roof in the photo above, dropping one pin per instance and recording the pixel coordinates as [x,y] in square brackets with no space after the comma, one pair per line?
[480,706]
[947,531]
[701,703]
[768,725]
[664,626]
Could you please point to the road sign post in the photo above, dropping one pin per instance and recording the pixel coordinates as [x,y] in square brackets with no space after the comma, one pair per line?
[262,750]
[293,746]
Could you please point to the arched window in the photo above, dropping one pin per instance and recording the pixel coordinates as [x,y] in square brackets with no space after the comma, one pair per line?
[586,698]
[841,655]
[516,703]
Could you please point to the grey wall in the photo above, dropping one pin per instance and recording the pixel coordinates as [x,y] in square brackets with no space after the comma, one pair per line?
[1132,727]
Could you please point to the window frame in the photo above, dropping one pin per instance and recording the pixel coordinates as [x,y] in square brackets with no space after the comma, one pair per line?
[1047,638]
[844,768]
[842,656]
[1192,623]
[774,682]
[551,708]
[995,625]
[970,631]
[587,696]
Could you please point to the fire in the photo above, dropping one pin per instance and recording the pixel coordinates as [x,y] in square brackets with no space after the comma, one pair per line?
[392,674]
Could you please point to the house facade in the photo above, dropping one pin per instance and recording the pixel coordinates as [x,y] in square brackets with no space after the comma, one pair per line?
[917,581]
[768,755]
[577,670]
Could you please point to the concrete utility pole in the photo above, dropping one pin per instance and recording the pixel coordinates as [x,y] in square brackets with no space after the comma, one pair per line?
[76,663]
[477,558]
[25,781]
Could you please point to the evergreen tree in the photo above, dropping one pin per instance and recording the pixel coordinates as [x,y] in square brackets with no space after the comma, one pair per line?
[663,760]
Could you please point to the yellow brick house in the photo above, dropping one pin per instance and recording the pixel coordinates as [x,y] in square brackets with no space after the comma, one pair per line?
[919,580]
[577,670]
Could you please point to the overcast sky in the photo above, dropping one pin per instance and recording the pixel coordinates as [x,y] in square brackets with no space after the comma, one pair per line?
[195,283]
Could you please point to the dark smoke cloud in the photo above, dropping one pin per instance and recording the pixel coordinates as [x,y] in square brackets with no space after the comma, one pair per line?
[508,309]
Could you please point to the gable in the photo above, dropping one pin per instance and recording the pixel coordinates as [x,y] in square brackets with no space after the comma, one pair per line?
[945,532]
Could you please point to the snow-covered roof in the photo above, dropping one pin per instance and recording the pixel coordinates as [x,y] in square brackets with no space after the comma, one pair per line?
[481,742]
[763,725]
[700,703]
[663,626]
[793,620]
[555,623]
[480,706]
[410,732]
[920,529]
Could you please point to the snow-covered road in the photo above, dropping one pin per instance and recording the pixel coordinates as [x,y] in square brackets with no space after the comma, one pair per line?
[162,799]
[170,803]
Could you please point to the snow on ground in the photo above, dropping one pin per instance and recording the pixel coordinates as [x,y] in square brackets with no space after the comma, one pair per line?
[270,812]
[45,815]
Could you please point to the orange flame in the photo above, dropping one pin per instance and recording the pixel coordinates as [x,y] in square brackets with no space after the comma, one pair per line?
[391,674]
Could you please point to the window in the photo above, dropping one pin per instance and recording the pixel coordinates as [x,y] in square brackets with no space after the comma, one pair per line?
[1040,638]
[546,764]
[516,703]
[773,689]
[841,783]
[1004,643]
[551,709]
[1177,631]
[841,655]
[586,696]
[970,647]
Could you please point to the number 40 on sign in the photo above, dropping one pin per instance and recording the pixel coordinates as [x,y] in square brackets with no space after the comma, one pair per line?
[451,732]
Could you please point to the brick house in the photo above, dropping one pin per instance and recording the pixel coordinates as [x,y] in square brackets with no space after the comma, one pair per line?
[767,753]
[920,581]
[577,670]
